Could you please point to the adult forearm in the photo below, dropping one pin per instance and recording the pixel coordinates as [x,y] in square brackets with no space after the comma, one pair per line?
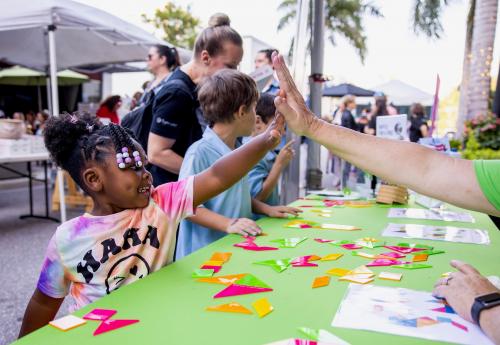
[414,166]
[490,323]
[167,160]
[210,219]
[269,183]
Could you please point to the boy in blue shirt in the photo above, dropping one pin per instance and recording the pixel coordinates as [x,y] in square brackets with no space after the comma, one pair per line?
[264,177]
[228,99]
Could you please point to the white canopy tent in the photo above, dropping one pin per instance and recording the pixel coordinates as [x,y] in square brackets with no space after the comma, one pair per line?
[401,93]
[52,35]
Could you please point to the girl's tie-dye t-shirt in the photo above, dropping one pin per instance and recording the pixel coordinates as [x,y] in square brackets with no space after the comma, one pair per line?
[90,256]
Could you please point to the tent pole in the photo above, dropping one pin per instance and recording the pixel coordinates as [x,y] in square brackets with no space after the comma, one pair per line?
[55,110]
[313,172]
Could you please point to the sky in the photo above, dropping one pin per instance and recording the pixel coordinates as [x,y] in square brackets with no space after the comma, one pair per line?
[394,50]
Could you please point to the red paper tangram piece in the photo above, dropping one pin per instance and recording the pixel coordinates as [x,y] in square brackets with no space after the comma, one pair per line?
[383,262]
[215,268]
[458,325]
[404,250]
[100,314]
[351,246]
[303,261]
[111,325]
[249,244]
[394,255]
[236,290]
[305,226]
[322,240]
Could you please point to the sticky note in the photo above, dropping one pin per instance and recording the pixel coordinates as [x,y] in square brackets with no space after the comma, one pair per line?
[390,276]
[321,281]
[262,307]
[67,322]
[331,257]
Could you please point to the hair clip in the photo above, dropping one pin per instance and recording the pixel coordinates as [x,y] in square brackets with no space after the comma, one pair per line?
[73,119]
[90,128]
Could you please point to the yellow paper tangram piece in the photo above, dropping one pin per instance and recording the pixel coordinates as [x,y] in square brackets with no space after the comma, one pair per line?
[213,263]
[224,280]
[420,257]
[262,307]
[232,307]
[224,257]
[361,270]
[339,272]
[360,279]
[390,276]
[369,239]
[321,281]
[339,227]
[67,322]
[331,257]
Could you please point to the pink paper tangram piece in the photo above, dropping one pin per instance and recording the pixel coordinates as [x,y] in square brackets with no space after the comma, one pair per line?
[394,255]
[351,246]
[404,250]
[100,314]
[305,226]
[383,262]
[322,240]
[236,290]
[110,325]
[303,261]
[215,268]
[249,244]
[305,342]
[458,325]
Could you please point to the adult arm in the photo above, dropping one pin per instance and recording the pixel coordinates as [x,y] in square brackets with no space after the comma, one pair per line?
[161,154]
[421,169]
[40,311]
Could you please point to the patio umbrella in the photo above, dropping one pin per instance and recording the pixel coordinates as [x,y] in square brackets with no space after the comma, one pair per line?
[51,35]
[21,76]
[347,89]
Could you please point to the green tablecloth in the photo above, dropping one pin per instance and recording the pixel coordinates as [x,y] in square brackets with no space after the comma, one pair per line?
[171,305]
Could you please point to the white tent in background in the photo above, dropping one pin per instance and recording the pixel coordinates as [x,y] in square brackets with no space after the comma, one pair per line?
[400,93]
[52,35]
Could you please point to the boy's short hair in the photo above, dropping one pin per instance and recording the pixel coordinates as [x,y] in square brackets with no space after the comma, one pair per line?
[265,107]
[224,92]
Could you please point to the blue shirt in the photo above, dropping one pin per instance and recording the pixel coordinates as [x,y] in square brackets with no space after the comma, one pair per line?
[272,88]
[233,203]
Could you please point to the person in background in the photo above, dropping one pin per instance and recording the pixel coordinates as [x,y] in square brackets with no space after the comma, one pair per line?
[175,123]
[161,62]
[2,114]
[381,108]
[18,116]
[264,177]
[264,58]
[30,122]
[347,120]
[136,98]
[109,109]
[418,125]
[41,120]
[475,185]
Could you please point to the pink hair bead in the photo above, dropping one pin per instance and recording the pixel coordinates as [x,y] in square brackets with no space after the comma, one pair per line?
[119,160]
[128,160]
[124,149]
[137,158]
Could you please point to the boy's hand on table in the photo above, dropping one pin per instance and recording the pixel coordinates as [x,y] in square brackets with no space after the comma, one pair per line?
[243,226]
[282,211]
[460,288]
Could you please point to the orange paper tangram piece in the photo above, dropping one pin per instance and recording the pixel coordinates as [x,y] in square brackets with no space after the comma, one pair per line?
[321,281]
[420,257]
[224,257]
[224,280]
[232,307]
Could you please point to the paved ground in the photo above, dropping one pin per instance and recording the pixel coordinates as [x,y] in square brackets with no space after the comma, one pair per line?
[22,248]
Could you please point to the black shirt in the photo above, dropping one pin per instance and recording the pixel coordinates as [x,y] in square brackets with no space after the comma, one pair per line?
[174,117]
[348,121]
[415,132]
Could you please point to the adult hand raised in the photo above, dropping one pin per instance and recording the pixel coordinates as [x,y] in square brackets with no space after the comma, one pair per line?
[290,102]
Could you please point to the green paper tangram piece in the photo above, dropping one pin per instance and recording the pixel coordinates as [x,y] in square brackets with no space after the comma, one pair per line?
[412,266]
[250,280]
[202,273]
[413,245]
[314,197]
[339,243]
[278,265]
[369,244]
[309,333]
[289,242]
[431,251]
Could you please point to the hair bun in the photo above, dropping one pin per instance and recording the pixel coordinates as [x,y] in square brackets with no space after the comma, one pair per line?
[219,19]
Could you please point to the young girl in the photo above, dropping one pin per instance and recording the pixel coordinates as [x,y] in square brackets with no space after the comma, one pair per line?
[228,99]
[131,230]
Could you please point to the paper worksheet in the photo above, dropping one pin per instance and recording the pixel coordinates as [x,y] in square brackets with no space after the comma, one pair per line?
[430,214]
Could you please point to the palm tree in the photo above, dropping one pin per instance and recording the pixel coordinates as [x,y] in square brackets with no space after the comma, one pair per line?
[480,35]
[342,17]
